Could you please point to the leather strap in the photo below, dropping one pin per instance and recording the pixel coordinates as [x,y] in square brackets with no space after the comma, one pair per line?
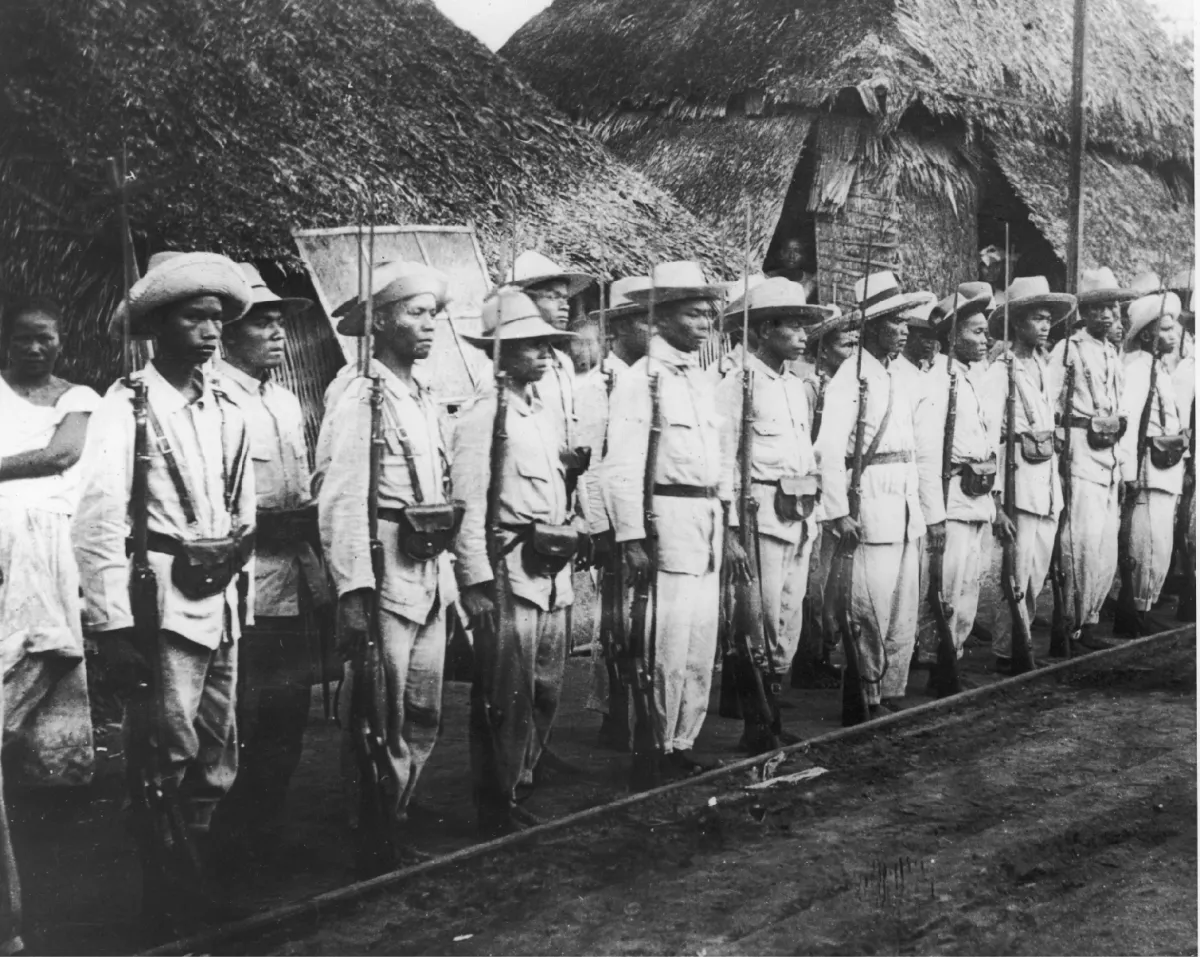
[885,458]
[686,491]
[872,449]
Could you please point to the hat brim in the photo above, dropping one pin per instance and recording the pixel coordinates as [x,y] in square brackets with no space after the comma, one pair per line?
[664,294]
[520,330]
[140,326]
[906,300]
[807,313]
[293,306]
[628,310]
[976,307]
[847,320]
[1097,296]
[1060,304]
[576,282]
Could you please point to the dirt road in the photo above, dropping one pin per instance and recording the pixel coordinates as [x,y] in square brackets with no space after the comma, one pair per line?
[1061,819]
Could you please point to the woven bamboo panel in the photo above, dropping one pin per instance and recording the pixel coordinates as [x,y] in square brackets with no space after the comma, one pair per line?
[312,358]
[869,217]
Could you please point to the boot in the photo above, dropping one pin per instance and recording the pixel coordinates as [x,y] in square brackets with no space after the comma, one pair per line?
[1127,621]
[810,674]
[1090,641]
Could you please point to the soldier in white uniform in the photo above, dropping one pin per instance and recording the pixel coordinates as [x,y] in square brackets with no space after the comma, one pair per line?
[785,483]
[1089,544]
[518,608]
[1033,311]
[200,487]
[973,474]
[406,298]
[692,495]
[1153,485]
[276,653]
[898,459]
[629,330]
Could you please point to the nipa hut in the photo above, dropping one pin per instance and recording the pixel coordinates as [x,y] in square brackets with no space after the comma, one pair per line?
[918,127]
[241,121]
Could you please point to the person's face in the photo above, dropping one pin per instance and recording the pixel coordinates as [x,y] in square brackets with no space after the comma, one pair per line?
[585,347]
[407,327]
[1116,332]
[552,301]
[1167,338]
[783,339]
[634,334]
[970,339]
[525,360]
[793,254]
[257,341]
[685,324]
[1099,318]
[189,330]
[921,344]
[1033,328]
[890,334]
[840,346]
[33,346]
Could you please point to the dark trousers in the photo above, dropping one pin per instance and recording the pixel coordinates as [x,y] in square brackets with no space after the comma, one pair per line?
[276,664]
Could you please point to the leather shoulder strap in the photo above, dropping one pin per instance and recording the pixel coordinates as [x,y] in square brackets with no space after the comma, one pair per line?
[883,424]
[168,454]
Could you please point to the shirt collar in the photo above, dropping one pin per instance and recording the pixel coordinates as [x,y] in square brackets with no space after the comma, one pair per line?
[668,355]
[758,366]
[255,385]
[167,398]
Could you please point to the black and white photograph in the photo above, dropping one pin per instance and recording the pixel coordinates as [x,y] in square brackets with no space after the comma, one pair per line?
[586,477]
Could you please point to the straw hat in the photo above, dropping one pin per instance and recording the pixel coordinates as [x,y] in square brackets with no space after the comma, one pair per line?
[736,288]
[678,281]
[620,306]
[918,315]
[261,294]
[1026,293]
[837,322]
[776,298]
[879,296]
[531,268]
[1184,279]
[1149,309]
[972,298]
[1145,283]
[518,316]
[174,276]
[393,282]
[1100,286]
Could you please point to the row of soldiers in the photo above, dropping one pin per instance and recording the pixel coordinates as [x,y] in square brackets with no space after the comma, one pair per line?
[818,488]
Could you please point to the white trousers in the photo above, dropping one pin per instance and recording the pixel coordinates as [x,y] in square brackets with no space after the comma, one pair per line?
[1090,549]
[687,608]
[964,563]
[783,573]
[1034,549]
[883,606]
[1151,537]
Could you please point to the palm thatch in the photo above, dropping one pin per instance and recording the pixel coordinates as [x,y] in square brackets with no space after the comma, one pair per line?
[1003,63]
[243,120]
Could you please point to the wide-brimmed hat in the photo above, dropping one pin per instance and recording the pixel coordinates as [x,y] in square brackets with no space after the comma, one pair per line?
[531,268]
[1184,279]
[837,322]
[734,289]
[679,281]
[1148,309]
[1026,293]
[174,276]
[261,295]
[776,298]
[918,315]
[518,316]
[620,306]
[1098,286]
[1145,283]
[393,282]
[971,299]
[879,296]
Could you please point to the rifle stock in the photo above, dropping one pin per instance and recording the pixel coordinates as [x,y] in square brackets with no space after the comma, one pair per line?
[1064,616]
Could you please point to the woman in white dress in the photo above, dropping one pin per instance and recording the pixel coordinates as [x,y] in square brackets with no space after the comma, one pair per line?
[47,720]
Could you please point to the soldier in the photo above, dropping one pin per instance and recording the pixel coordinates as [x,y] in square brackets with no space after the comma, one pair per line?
[692,494]
[629,328]
[200,508]
[898,461]
[1089,544]
[508,469]
[1152,459]
[959,324]
[275,655]
[1033,311]
[411,494]
[829,343]
[784,477]
[921,347]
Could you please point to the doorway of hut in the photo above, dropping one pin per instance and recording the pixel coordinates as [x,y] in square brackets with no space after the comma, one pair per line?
[1031,253]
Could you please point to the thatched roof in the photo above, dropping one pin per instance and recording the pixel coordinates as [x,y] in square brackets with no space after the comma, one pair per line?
[244,120]
[1005,64]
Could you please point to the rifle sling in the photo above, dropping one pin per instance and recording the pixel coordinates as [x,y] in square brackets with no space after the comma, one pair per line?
[873,448]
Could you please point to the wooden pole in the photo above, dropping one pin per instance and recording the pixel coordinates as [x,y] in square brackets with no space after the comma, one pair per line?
[1078,145]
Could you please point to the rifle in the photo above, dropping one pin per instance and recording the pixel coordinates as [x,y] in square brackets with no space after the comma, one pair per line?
[945,673]
[1060,646]
[1185,527]
[855,708]
[1022,641]
[612,591]
[644,618]
[749,641]
[819,405]
[1126,612]
[368,699]
[154,792]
